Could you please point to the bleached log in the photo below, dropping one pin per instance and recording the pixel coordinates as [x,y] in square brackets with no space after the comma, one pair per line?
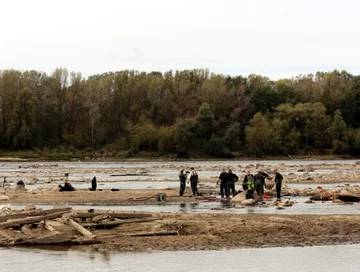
[81,229]
[30,220]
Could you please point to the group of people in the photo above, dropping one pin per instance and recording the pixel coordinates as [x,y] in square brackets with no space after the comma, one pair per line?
[251,183]
[191,177]
[227,183]
[227,180]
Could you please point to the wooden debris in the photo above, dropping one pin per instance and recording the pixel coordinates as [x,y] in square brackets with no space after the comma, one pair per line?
[113,215]
[26,230]
[31,220]
[140,234]
[118,222]
[32,213]
[49,227]
[81,229]
[5,235]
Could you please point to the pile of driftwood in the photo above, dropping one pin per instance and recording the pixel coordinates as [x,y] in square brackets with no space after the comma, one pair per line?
[63,226]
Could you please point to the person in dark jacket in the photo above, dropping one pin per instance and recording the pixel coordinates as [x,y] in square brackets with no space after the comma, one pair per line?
[67,187]
[223,183]
[93,184]
[182,177]
[260,183]
[231,179]
[248,185]
[278,183]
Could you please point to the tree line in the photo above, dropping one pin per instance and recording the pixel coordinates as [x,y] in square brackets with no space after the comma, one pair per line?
[180,112]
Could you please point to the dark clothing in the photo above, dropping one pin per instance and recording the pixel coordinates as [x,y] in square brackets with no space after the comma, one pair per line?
[182,178]
[223,184]
[231,179]
[66,187]
[278,182]
[194,179]
[194,187]
[249,194]
[260,183]
[93,184]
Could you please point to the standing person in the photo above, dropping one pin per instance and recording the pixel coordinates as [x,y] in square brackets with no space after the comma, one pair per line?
[248,183]
[231,179]
[223,183]
[278,183]
[194,179]
[260,183]
[182,177]
[93,184]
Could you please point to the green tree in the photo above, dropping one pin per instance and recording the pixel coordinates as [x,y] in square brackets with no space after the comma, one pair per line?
[204,122]
[259,136]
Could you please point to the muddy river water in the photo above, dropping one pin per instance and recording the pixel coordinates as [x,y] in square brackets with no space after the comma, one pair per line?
[315,259]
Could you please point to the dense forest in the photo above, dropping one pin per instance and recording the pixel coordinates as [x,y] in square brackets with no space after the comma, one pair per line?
[180,113]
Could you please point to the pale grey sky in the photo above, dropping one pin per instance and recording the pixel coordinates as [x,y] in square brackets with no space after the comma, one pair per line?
[275,38]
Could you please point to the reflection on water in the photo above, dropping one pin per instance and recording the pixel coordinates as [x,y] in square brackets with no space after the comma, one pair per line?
[315,259]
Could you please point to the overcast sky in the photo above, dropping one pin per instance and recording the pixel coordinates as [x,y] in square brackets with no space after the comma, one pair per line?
[275,38]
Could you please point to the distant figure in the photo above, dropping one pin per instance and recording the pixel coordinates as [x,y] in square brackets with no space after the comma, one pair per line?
[260,183]
[278,183]
[20,185]
[67,187]
[223,178]
[194,179]
[248,185]
[231,179]
[182,177]
[93,184]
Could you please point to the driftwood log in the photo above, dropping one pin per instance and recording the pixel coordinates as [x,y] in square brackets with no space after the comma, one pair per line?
[113,215]
[81,229]
[118,222]
[140,234]
[31,220]
[33,213]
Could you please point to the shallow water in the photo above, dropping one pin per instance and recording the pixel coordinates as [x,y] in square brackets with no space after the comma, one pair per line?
[315,259]
[300,207]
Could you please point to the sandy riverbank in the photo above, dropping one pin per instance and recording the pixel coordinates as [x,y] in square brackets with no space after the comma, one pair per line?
[210,232]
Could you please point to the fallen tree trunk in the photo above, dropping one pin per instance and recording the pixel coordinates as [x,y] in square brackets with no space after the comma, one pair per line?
[33,213]
[81,229]
[141,234]
[113,215]
[56,240]
[30,220]
[118,222]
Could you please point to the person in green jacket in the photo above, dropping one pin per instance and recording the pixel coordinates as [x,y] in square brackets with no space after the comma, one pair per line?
[248,185]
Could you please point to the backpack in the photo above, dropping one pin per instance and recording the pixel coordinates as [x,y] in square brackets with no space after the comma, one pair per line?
[194,176]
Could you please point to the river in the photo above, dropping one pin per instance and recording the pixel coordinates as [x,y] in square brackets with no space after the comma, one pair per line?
[314,259]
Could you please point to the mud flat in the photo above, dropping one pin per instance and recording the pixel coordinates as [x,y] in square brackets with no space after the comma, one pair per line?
[174,231]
